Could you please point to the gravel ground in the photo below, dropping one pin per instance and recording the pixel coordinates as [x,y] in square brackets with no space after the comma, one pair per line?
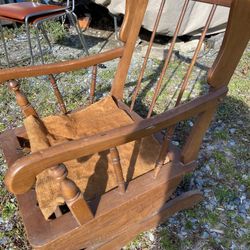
[221,221]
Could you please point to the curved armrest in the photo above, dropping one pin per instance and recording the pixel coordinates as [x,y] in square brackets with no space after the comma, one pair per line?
[22,174]
[55,68]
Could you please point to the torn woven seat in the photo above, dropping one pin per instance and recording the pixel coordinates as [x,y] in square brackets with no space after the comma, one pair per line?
[93,174]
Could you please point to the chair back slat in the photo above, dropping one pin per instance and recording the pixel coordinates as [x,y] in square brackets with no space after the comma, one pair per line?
[167,60]
[138,86]
[196,53]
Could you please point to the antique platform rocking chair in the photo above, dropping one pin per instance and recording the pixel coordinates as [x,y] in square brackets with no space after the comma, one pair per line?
[96,177]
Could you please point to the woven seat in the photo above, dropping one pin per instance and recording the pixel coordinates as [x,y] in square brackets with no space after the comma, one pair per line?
[93,174]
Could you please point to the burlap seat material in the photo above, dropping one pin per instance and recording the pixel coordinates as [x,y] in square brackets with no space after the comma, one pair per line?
[93,174]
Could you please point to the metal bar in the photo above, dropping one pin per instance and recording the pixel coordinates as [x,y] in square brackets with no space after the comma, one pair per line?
[4,45]
[169,134]
[29,40]
[45,36]
[169,55]
[138,86]
[39,44]
[73,17]
[116,27]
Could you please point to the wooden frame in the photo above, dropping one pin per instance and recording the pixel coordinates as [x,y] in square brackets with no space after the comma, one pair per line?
[123,212]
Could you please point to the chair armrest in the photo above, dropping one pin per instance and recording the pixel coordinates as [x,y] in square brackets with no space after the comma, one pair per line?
[22,174]
[55,68]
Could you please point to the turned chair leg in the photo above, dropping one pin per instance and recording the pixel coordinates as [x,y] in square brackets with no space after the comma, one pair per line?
[118,169]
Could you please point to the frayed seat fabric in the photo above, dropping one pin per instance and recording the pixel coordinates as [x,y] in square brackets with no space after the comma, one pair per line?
[93,174]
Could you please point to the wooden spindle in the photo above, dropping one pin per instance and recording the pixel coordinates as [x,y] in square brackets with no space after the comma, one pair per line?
[167,139]
[168,58]
[22,100]
[118,169]
[196,53]
[71,194]
[163,151]
[57,94]
[138,86]
[93,84]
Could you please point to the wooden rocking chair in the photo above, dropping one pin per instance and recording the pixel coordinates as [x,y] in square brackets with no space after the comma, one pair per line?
[96,177]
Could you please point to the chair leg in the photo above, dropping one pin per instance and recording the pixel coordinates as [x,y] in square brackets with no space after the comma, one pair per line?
[116,27]
[29,41]
[4,45]
[39,44]
[45,36]
[73,18]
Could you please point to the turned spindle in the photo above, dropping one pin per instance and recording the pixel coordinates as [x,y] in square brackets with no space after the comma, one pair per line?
[93,84]
[58,94]
[118,169]
[21,99]
[71,194]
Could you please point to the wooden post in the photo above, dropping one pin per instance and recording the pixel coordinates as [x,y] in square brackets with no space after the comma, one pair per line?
[22,100]
[192,145]
[57,94]
[118,169]
[72,195]
[93,84]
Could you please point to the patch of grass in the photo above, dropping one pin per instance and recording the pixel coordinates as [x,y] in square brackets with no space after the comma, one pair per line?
[221,135]
[8,210]
[224,194]
[169,242]
[211,217]
[56,30]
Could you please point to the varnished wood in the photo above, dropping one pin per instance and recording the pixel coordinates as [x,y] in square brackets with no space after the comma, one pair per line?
[123,66]
[71,194]
[109,221]
[196,53]
[185,201]
[21,99]
[32,165]
[118,169]
[58,94]
[168,58]
[235,41]
[130,12]
[114,210]
[144,65]
[93,84]
[225,3]
[56,68]
[192,145]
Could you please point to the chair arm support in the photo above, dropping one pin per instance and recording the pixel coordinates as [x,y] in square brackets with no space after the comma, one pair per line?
[22,174]
[56,68]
